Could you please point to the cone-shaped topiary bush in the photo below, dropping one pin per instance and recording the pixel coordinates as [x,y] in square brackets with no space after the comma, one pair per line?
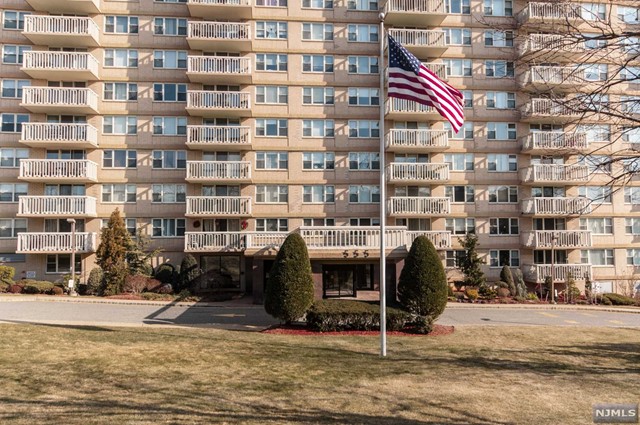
[189,273]
[422,288]
[507,276]
[289,291]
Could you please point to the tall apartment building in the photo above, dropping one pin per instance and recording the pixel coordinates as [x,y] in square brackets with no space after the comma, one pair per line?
[219,126]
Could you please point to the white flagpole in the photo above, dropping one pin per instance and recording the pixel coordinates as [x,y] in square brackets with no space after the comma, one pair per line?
[383,202]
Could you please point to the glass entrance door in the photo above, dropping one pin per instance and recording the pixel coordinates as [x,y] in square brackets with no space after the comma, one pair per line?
[338,281]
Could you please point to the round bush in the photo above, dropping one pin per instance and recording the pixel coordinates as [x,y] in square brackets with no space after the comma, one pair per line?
[15,289]
[56,290]
[165,273]
[503,292]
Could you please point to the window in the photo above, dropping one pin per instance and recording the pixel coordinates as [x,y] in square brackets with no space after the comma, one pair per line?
[170,59]
[119,158]
[317,4]
[169,193]
[61,263]
[271,29]
[503,226]
[271,127]
[597,226]
[14,54]
[458,67]
[629,15]
[12,123]
[318,128]
[11,192]
[501,163]
[318,95]
[169,126]
[504,257]
[630,104]
[595,71]
[597,257]
[271,62]
[318,160]
[460,193]
[632,226]
[629,73]
[592,42]
[362,5]
[317,63]
[168,227]
[14,20]
[503,194]
[364,194]
[119,193]
[64,190]
[595,133]
[318,222]
[363,64]
[597,163]
[364,161]
[632,195]
[460,226]
[130,224]
[458,6]
[501,131]
[120,91]
[121,24]
[164,92]
[592,11]
[364,96]
[10,227]
[170,26]
[496,38]
[499,69]
[120,58]
[364,129]
[170,1]
[630,165]
[318,194]
[454,258]
[362,33]
[633,257]
[498,7]
[457,36]
[467,98]
[272,94]
[466,132]
[13,88]
[272,225]
[501,100]
[272,160]
[459,161]
[271,3]
[631,134]
[271,193]
[365,221]
[120,124]
[10,157]
[597,194]
[317,32]
[169,159]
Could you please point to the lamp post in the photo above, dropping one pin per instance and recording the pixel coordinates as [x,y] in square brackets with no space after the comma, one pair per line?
[553,267]
[72,281]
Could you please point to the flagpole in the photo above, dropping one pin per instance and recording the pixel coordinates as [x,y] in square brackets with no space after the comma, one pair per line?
[383,201]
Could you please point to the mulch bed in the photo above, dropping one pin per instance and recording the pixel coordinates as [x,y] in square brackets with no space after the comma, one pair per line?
[438,330]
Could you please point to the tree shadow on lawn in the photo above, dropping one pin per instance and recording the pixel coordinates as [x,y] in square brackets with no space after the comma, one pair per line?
[51,325]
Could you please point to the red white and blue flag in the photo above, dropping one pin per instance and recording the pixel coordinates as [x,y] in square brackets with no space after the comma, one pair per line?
[409,79]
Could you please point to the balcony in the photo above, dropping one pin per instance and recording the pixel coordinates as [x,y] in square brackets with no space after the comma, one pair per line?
[72,7]
[204,206]
[557,78]
[440,239]
[555,174]
[57,206]
[418,140]
[422,43]
[219,70]
[224,104]
[418,206]
[55,243]
[537,272]
[60,100]
[58,135]
[212,138]
[58,170]
[414,13]
[218,171]
[439,69]
[552,45]
[408,110]
[554,142]
[214,9]
[402,172]
[551,111]
[61,31]
[564,239]
[219,36]
[61,66]
[537,13]
[556,206]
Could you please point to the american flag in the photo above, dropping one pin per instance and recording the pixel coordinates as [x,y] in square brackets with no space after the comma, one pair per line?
[409,79]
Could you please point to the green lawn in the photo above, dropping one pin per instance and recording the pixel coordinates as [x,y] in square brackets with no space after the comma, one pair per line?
[478,375]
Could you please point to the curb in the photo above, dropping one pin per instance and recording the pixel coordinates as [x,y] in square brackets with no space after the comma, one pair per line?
[65,299]
[568,307]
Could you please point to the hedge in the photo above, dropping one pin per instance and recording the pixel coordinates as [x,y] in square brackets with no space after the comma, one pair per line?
[617,299]
[35,286]
[344,315]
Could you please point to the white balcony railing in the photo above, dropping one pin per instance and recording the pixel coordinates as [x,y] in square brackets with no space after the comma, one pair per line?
[203,135]
[555,75]
[556,43]
[419,138]
[219,65]
[549,11]
[220,2]
[538,272]
[213,241]
[228,31]
[218,170]
[55,242]
[60,96]
[555,140]
[337,237]
[218,205]
[202,99]
[55,169]
[551,108]
[560,239]
[556,206]
[419,205]
[415,6]
[59,133]
[402,171]
[439,239]
[61,25]
[399,106]
[418,38]
[61,61]
[56,206]
[439,69]
[555,173]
